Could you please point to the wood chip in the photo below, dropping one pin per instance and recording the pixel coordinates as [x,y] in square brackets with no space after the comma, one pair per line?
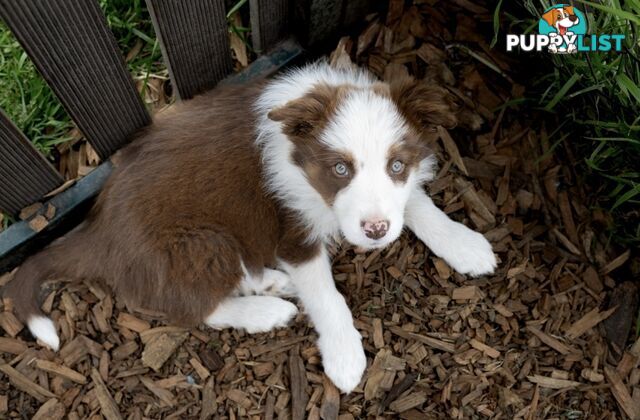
[488,350]
[25,384]
[429,341]
[619,325]
[621,393]
[60,370]
[158,351]
[592,280]
[202,371]
[133,323]
[239,397]
[38,223]
[330,407]
[10,324]
[124,351]
[209,405]
[212,360]
[566,242]
[473,201]
[616,263]
[443,269]
[635,348]
[61,188]
[51,410]
[503,310]
[50,212]
[466,293]
[452,149]
[550,341]
[378,337]
[298,381]
[29,211]
[262,370]
[108,406]
[587,322]
[408,402]
[274,346]
[628,362]
[553,383]
[163,394]
[591,375]
[397,390]
[12,345]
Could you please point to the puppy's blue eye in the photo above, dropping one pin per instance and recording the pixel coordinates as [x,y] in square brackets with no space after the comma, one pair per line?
[397,167]
[341,169]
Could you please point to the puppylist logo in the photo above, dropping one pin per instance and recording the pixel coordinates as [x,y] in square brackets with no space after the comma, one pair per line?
[563,30]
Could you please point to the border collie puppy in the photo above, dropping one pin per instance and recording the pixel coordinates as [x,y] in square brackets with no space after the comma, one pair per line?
[227,202]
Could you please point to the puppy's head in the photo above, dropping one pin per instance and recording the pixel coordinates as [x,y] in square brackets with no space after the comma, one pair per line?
[363,150]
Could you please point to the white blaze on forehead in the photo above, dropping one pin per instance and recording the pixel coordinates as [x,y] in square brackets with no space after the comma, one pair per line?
[365,124]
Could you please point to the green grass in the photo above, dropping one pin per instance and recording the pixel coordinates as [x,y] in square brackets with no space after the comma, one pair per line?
[131,25]
[599,96]
[27,99]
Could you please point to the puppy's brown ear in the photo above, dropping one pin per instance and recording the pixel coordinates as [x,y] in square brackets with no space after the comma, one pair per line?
[300,117]
[425,106]
[569,10]
[550,17]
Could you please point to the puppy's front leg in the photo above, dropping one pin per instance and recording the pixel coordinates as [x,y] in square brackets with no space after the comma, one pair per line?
[339,342]
[466,251]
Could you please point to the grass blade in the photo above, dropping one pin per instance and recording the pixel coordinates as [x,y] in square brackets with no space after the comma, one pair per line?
[614,11]
[563,91]
[496,24]
[626,196]
[629,86]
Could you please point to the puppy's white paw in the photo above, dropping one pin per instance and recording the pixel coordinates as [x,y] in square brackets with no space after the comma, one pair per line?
[277,283]
[271,283]
[254,314]
[275,313]
[343,358]
[469,252]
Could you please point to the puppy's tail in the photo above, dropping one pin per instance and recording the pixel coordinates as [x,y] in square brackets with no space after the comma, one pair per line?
[24,289]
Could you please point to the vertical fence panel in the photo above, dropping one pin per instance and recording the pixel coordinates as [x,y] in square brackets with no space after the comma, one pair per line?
[270,22]
[25,176]
[76,53]
[195,42]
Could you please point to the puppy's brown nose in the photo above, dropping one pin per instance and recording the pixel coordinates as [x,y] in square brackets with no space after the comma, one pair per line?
[573,18]
[375,229]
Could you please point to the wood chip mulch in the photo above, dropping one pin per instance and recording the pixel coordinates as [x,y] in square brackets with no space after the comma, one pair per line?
[547,336]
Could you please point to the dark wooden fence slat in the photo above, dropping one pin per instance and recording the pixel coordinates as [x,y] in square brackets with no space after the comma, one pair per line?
[76,53]
[194,39]
[25,176]
[270,22]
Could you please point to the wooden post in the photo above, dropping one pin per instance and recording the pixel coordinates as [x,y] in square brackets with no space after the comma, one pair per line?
[25,176]
[194,39]
[270,22]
